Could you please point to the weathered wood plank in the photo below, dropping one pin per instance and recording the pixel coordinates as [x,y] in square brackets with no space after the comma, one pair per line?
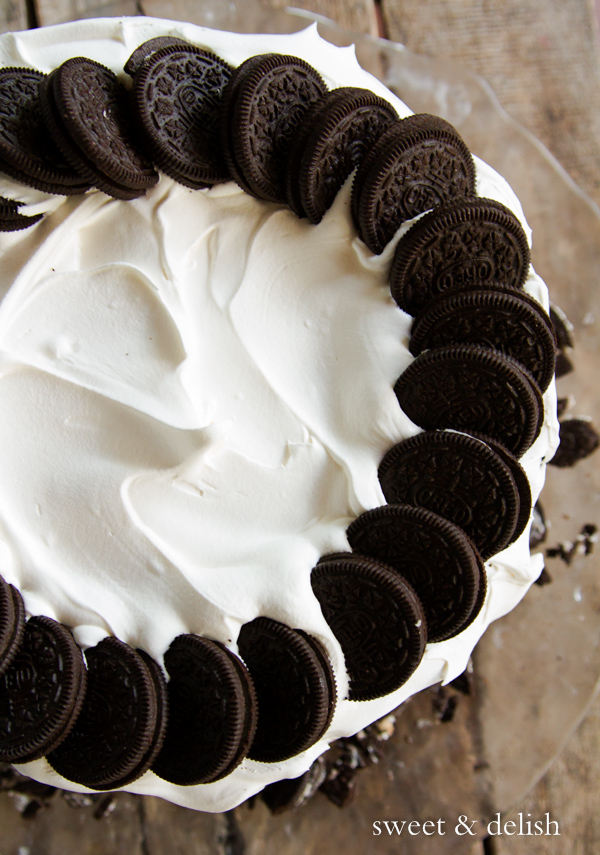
[173,829]
[57,11]
[541,59]
[569,793]
[62,829]
[357,15]
[13,15]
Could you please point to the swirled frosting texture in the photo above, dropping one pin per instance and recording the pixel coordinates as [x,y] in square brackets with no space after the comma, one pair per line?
[196,392]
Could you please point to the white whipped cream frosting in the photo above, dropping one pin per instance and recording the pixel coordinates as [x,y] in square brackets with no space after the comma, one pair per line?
[196,392]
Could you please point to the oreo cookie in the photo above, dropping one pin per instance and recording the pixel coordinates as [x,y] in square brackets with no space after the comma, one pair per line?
[26,152]
[148,49]
[177,98]
[459,478]
[563,330]
[12,623]
[118,731]
[10,218]
[578,439]
[520,479]
[471,388]
[508,321]
[86,111]
[419,163]
[378,620]
[295,688]
[332,141]
[433,554]
[466,243]
[264,104]
[212,712]
[41,693]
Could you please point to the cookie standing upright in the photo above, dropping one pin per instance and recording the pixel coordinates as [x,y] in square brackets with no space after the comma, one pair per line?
[212,712]
[12,623]
[41,693]
[295,688]
[177,100]
[120,727]
[461,244]
[419,163]
[27,153]
[333,139]
[86,112]
[265,103]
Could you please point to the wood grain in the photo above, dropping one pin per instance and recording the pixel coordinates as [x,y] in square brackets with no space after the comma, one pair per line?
[360,16]
[13,15]
[569,793]
[541,60]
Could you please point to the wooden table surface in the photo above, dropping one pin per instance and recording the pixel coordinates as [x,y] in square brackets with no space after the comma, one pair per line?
[542,58]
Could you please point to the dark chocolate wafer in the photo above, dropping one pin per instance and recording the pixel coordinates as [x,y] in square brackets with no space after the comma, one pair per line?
[433,554]
[578,439]
[511,322]
[295,688]
[332,141]
[268,99]
[458,477]
[12,623]
[10,218]
[112,741]
[27,154]
[418,163]
[465,243]
[41,693]
[378,620]
[212,712]
[520,479]
[177,97]
[162,716]
[148,49]
[86,111]
[471,388]
[563,330]
[230,96]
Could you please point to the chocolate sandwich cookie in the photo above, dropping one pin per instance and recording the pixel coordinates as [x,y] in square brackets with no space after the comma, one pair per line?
[27,154]
[332,141]
[459,478]
[463,244]
[433,554]
[267,100]
[12,623]
[563,330]
[578,439]
[116,736]
[378,620]
[177,98]
[10,218]
[508,321]
[295,688]
[520,479]
[471,388]
[229,102]
[418,163]
[41,693]
[148,49]
[212,712]
[86,112]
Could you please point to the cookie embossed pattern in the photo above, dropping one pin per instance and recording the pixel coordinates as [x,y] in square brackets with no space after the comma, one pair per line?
[216,377]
